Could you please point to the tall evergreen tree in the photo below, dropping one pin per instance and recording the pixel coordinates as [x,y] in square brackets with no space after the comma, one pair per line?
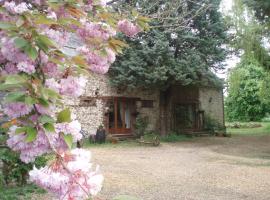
[183,47]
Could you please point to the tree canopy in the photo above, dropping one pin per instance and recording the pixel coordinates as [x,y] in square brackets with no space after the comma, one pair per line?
[171,52]
[247,98]
[251,37]
[261,8]
[248,83]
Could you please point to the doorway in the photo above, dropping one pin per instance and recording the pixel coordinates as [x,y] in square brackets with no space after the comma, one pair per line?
[185,117]
[119,117]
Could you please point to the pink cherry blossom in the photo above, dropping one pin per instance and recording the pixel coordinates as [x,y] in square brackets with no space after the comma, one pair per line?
[34,118]
[97,63]
[91,3]
[100,69]
[39,2]
[128,28]
[43,58]
[44,110]
[51,70]
[17,109]
[60,38]
[55,182]
[93,30]
[72,128]
[101,3]
[11,68]
[57,142]
[72,86]
[26,67]
[110,55]
[12,53]
[2,58]
[52,15]
[52,84]
[28,150]
[70,178]
[16,9]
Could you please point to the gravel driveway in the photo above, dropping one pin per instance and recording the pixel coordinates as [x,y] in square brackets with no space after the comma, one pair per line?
[198,169]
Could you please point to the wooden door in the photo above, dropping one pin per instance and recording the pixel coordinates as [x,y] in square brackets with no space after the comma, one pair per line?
[120,116]
[185,117]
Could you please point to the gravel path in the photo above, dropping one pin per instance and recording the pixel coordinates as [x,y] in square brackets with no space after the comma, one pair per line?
[198,169]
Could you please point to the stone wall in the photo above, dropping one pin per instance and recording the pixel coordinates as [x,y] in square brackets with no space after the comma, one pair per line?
[98,87]
[211,101]
[90,117]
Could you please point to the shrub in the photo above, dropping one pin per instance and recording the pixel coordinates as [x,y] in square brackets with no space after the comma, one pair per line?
[243,125]
[13,169]
[141,125]
[19,192]
[266,118]
[150,135]
[212,125]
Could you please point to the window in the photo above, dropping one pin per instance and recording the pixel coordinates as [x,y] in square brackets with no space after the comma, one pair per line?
[88,102]
[147,103]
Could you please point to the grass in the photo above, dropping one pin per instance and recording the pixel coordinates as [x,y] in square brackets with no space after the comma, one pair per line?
[134,143]
[263,130]
[174,138]
[125,143]
[19,193]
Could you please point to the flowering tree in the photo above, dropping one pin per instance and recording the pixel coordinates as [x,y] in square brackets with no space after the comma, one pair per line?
[46,49]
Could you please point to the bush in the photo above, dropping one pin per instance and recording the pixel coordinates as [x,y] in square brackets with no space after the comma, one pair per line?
[243,125]
[19,193]
[13,169]
[141,125]
[150,135]
[266,118]
[212,125]
[248,92]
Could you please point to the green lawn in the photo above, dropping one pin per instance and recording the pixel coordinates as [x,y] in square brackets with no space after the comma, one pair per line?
[19,193]
[125,143]
[263,130]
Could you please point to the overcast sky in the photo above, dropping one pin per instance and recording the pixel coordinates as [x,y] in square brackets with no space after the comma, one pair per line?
[225,8]
[226,5]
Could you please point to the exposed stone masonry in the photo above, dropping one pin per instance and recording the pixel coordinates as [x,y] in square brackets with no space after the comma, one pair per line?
[91,108]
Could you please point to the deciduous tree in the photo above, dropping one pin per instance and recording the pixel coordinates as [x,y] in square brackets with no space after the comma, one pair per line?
[246,100]
[47,48]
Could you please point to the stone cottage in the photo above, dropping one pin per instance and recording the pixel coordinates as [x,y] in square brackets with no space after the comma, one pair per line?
[179,109]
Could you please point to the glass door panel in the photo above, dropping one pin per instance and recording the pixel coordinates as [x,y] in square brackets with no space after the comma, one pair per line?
[111,115]
[127,115]
[120,115]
